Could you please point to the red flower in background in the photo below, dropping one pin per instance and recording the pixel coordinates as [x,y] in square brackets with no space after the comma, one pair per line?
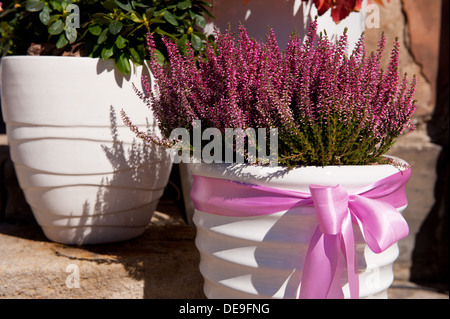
[340,9]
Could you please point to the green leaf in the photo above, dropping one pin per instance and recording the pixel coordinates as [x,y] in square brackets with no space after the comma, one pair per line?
[135,56]
[170,18]
[192,14]
[115,27]
[200,21]
[62,41]
[34,5]
[135,18]
[196,42]
[107,52]
[121,42]
[184,5]
[205,3]
[181,17]
[160,57]
[135,4]
[71,34]
[56,5]
[94,51]
[149,12]
[159,13]
[44,16]
[181,43]
[100,17]
[126,7]
[110,5]
[123,64]
[160,31]
[103,36]
[95,29]
[156,20]
[56,28]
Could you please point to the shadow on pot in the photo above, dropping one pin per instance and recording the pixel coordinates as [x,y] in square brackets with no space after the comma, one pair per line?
[125,199]
[109,66]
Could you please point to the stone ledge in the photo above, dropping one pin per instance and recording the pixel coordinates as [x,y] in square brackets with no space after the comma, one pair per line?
[162,263]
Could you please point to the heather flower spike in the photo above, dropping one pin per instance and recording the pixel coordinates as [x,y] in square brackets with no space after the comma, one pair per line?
[330,108]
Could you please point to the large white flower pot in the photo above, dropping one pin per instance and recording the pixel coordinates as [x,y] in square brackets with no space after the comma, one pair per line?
[85,177]
[263,256]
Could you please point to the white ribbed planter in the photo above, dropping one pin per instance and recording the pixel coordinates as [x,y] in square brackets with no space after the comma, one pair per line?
[83,175]
[263,256]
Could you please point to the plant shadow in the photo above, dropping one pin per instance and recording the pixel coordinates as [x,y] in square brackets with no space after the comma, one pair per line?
[164,257]
[125,198]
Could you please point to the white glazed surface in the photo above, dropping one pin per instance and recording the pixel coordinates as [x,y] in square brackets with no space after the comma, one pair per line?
[263,257]
[84,174]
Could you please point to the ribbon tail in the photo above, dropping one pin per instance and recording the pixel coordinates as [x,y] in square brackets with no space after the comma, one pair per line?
[349,250]
[320,265]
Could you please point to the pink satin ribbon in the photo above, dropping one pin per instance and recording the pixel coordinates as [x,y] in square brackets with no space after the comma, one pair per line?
[373,208]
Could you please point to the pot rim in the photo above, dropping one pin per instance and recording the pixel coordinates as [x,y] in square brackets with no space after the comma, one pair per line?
[47,57]
[299,178]
[402,165]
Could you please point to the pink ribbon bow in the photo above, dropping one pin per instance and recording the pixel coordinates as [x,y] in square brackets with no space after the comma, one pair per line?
[373,209]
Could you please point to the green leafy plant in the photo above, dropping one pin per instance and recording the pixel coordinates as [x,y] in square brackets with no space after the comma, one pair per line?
[108,29]
[40,21]
[121,30]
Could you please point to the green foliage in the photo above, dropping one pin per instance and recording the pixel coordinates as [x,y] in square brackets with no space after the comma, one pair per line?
[120,31]
[109,29]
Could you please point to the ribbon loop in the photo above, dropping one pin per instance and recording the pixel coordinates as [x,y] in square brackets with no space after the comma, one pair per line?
[380,223]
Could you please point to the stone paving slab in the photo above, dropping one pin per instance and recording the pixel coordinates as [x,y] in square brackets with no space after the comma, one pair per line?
[161,264]
[402,289]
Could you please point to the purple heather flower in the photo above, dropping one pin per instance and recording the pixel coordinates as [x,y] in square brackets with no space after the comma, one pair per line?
[329,107]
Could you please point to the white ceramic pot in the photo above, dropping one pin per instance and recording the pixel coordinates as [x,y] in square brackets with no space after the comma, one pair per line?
[263,256]
[85,177]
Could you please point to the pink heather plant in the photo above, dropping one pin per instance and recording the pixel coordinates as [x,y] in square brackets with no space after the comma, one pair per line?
[329,108]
